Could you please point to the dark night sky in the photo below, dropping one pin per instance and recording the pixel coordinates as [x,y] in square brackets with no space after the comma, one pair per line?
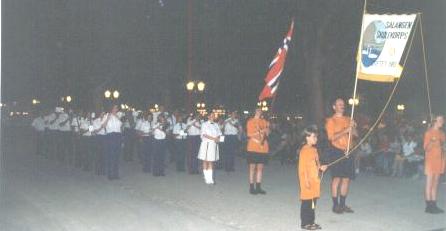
[53,48]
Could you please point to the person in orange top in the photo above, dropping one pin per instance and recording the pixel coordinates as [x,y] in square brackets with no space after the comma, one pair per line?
[257,130]
[309,181]
[338,128]
[434,139]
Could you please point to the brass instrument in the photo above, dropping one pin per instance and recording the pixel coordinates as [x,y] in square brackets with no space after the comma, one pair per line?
[262,134]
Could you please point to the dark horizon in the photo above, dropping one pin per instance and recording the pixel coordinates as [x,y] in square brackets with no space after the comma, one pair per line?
[53,48]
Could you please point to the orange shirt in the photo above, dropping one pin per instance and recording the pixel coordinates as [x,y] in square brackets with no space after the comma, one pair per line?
[308,170]
[434,159]
[334,125]
[255,143]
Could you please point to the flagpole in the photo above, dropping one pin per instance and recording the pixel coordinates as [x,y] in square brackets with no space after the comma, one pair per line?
[273,102]
[358,65]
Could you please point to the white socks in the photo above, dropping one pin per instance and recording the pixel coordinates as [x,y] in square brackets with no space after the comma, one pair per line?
[208,176]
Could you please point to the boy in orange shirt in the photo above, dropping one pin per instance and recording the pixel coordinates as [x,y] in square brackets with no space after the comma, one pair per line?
[257,130]
[309,181]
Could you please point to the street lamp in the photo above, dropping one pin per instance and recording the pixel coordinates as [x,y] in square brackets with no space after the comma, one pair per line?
[115,94]
[201,85]
[190,86]
[400,107]
[353,101]
[107,94]
[68,98]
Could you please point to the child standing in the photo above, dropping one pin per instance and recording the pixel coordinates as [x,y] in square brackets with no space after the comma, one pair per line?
[308,173]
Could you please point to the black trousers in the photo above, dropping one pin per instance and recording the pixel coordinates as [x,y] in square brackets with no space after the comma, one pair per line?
[307,215]
[87,154]
[99,147]
[129,144]
[193,147]
[159,156]
[146,153]
[230,148]
[39,139]
[112,154]
[180,154]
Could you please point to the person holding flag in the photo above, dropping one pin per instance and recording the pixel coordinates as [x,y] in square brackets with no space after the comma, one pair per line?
[339,129]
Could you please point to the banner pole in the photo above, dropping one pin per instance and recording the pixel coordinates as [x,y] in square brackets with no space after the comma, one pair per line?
[425,68]
[358,63]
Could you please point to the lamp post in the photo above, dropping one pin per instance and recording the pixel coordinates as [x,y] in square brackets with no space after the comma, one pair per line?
[352,101]
[201,108]
[108,94]
[190,87]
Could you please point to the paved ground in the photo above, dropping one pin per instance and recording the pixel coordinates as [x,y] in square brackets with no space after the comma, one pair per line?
[39,194]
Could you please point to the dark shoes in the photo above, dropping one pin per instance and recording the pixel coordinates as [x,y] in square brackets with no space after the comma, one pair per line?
[342,209]
[252,189]
[259,189]
[433,209]
[337,209]
[256,190]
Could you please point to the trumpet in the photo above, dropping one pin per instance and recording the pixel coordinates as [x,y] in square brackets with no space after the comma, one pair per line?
[262,134]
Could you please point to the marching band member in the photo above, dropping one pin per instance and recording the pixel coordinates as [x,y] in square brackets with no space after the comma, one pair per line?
[180,135]
[159,145]
[86,149]
[113,138]
[257,130]
[129,135]
[64,126]
[39,127]
[209,153]
[193,142]
[100,144]
[76,138]
[53,132]
[144,130]
[231,130]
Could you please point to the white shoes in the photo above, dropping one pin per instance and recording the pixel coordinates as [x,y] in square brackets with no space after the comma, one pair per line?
[208,176]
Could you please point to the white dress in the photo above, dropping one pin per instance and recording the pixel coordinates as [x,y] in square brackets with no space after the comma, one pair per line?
[209,149]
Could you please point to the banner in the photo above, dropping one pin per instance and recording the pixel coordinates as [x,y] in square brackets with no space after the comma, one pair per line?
[384,38]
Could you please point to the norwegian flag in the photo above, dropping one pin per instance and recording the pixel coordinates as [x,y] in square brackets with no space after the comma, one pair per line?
[276,68]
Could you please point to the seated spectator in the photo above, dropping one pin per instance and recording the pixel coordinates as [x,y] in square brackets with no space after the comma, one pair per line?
[384,156]
[395,150]
[363,157]
[409,155]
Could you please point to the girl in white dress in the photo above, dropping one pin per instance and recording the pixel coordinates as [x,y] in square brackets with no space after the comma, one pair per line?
[209,153]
